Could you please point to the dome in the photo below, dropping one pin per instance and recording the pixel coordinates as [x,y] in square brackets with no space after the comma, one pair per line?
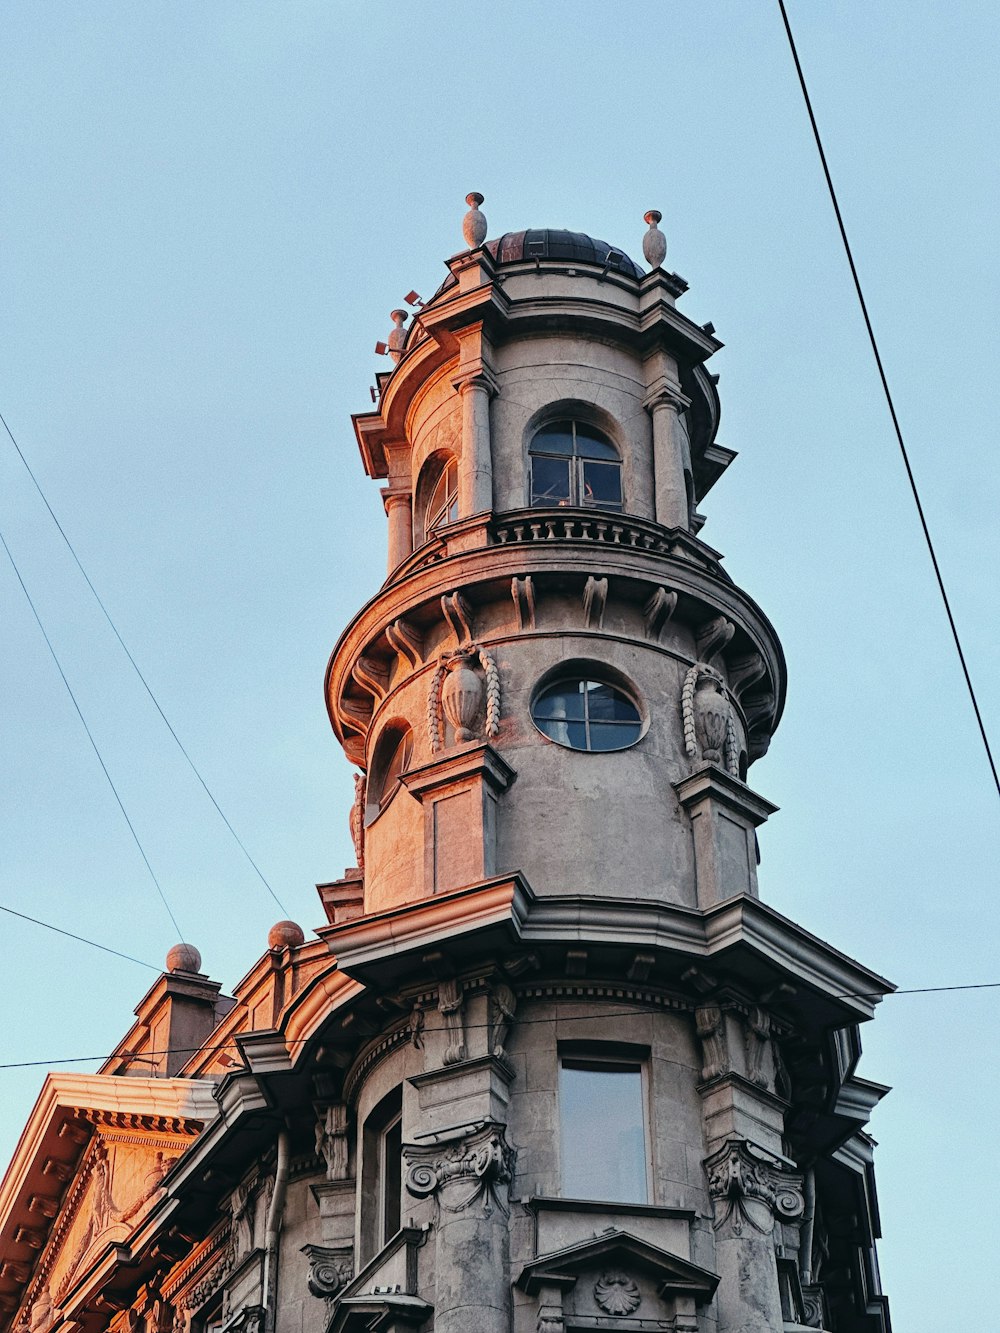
[552,243]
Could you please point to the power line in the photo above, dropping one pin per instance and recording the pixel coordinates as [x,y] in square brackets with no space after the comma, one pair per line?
[82,939]
[135,668]
[888,397]
[468,1027]
[90,737]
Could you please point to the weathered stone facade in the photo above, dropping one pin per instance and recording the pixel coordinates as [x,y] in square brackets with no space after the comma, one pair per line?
[550,1065]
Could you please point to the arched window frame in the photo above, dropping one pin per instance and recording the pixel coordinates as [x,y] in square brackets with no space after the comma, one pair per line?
[436,495]
[390,760]
[593,463]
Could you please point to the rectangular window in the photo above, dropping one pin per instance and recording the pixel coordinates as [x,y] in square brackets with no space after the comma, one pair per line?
[391,1152]
[602,1130]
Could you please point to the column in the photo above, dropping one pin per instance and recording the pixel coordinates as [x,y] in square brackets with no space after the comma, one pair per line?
[669,457]
[399,511]
[475,468]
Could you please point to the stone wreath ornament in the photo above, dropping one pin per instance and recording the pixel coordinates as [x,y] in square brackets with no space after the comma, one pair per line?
[707,717]
[456,694]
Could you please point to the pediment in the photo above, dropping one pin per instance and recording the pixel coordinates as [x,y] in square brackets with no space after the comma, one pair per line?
[87,1172]
[615,1251]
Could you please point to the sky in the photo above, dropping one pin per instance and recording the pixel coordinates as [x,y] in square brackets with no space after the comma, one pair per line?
[208,213]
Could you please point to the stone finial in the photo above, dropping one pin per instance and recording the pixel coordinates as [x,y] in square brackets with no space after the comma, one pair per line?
[398,335]
[474,222]
[183,958]
[285,935]
[654,243]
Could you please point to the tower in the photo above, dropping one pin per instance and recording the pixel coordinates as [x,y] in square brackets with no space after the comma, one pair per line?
[551,1065]
[631,1091]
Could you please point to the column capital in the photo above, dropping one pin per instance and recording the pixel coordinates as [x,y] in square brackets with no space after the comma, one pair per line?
[476,377]
[663,393]
[395,495]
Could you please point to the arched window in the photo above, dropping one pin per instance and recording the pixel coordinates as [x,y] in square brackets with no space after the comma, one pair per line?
[586,714]
[390,761]
[573,463]
[442,507]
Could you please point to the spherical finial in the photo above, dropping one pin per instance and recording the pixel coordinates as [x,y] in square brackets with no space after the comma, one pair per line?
[285,935]
[397,337]
[183,958]
[474,222]
[654,243]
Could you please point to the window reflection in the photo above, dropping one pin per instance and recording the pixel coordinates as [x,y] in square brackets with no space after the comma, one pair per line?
[586,715]
[575,464]
[602,1131]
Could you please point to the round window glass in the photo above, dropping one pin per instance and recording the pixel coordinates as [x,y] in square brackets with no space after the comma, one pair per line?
[586,715]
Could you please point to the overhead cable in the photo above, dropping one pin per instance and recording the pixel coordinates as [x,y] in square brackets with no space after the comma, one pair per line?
[232,1043]
[135,668]
[90,736]
[888,398]
[81,939]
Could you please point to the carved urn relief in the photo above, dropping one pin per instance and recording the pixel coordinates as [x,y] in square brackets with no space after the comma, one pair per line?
[709,727]
[462,696]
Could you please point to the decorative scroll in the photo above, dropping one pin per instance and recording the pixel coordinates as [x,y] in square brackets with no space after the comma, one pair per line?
[751,1188]
[469,1170]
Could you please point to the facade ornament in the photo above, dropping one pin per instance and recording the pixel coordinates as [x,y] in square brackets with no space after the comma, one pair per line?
[415,1023]
[758,1039]
[397,337]
[451,1007]
[751,1188]
[474,222]
[710,1023]
[457,694]
[503,1003]
[617,1294]
[550,1319]
[458,614]
[523,593]
[457,1176]
[331,1139]
[330,1268]
[406,641]
[658,610]
[744,673]
[357,819]
[595,597]
[713,636]
[241,1205]
[708,719]
[654,243]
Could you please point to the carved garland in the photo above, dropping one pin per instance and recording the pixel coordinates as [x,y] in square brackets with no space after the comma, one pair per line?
[435,709]
[697,672]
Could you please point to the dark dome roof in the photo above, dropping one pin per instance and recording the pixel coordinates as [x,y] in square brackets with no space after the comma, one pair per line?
[551,243]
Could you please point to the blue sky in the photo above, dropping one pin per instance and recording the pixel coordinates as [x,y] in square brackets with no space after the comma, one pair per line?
[208,213]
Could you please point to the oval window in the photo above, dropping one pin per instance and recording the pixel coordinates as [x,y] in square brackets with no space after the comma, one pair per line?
[586,714]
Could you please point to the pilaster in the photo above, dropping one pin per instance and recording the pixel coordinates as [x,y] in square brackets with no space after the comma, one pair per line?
[724,813]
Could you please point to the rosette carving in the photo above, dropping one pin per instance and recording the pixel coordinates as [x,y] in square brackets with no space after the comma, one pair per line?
[617,1294]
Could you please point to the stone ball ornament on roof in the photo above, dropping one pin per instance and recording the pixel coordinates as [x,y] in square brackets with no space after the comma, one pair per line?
[285,935]
[183,958]
[474,222]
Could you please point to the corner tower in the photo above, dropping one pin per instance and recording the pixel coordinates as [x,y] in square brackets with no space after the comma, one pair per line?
[624,1089]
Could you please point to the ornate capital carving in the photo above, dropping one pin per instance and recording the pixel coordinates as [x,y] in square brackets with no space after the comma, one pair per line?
[749,1187]
[457,1175]
[330,1268]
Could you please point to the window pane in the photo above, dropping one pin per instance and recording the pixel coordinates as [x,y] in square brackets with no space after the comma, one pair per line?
[602,485]
[554,439]
[612,735]
[549,481]
[392,1179]
[573,734]
[591,443]
[562,700]
[606,704]
[602,1132]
